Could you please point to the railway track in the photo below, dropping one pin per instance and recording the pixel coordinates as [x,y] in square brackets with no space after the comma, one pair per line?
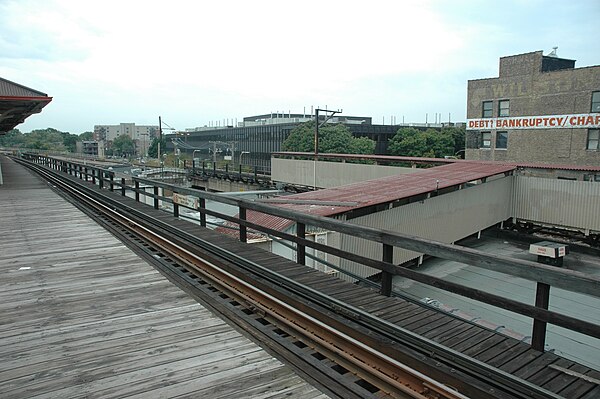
[341,349]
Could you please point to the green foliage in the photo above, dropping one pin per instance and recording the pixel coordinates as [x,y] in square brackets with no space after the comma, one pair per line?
[459,134]
[13,138]
[362,145]
[40,139]
[86,136]
[153,149]
[429,143]
[123,145]
[70,141]
[332,139]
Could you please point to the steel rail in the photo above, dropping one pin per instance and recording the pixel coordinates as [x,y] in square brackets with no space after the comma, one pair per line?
[456,359]
[386,373]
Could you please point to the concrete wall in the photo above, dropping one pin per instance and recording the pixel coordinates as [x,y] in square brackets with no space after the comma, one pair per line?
[329,174]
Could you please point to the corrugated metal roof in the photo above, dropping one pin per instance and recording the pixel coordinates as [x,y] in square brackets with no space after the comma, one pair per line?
[18,102]
[379,191]
[12,89]
[559,167]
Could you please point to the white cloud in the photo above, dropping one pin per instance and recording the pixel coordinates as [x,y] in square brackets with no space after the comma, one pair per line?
[200,60]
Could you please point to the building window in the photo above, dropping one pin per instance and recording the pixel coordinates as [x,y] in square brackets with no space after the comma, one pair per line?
[593,139]
[501,140]
[486,139]
[503,108]
[488,106]
[596,101]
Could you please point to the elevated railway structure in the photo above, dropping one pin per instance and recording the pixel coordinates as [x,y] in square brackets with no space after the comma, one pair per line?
[350,340]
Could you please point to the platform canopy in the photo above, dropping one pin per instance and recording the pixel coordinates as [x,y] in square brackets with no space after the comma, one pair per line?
[17,102]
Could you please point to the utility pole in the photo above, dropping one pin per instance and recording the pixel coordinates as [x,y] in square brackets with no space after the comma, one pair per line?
[159,137]
[327,117]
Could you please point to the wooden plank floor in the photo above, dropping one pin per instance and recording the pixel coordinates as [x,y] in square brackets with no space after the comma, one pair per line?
[486,345]
[83,316]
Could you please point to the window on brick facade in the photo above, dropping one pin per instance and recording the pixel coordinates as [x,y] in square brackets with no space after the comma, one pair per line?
[593,139]
[486,139]
[503,108]
[488,106]
[501,140]
[596,101]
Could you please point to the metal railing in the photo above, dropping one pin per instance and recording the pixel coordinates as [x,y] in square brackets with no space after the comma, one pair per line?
[544,276]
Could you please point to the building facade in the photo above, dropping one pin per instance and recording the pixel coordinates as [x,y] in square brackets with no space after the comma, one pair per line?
[261,135]
[142,135]
[540,109]
[91,148]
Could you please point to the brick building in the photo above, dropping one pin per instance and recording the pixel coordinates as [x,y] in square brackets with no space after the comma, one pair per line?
[540,109]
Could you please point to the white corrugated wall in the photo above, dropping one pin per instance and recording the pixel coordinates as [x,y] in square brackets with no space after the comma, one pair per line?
[447,218]
[566,203]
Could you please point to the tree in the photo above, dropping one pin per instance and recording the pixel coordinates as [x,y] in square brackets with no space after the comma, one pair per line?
[429,143]
[332,139]
[123,145]
[13,138]
[70,141]
[86,136]
[45,139]
[153,149]
[459,134]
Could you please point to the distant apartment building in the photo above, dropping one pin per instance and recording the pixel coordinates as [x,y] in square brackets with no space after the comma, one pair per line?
[540,109]
[142,135]
[91,148]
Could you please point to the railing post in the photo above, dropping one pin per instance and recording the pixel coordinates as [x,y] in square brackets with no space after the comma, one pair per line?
[386,277]
[86,173]
[137,191]
[175,208]
[214,169]
[255,174]
[155,197]
[94,175]
[300,248]
[243,230]
[100,178]
[542,300]
[111,177]
[202,214]
[123,186]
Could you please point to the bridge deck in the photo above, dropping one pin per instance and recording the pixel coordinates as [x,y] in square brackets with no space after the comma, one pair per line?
[74,322]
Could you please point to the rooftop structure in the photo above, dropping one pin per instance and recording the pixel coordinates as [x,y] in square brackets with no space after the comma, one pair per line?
[17,103]
[539,109]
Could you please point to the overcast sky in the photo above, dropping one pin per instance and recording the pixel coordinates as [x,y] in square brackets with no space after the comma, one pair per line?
[196,62]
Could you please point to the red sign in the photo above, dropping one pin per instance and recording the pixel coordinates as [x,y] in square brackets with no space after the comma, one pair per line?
[585,121]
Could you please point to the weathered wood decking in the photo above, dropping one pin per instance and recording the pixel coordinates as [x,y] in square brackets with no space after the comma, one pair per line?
[82,316]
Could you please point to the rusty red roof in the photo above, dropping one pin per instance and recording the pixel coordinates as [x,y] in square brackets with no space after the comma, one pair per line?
[586,168]
[338,200]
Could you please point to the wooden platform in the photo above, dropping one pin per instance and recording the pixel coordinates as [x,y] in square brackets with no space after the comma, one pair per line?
[75,323]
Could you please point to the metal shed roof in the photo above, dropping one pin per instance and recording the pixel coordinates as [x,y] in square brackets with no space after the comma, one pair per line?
[338,200]
[18,102]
